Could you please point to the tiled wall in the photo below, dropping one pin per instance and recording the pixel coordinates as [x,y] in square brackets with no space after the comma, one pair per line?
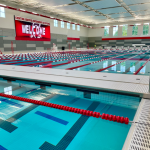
[8,35]
[99,42]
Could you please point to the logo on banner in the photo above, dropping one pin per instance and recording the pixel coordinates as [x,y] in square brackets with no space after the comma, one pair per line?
[32,30]
[35,31]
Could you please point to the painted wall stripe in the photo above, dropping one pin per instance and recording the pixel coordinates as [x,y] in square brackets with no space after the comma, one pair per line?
[126,38]
[71,38]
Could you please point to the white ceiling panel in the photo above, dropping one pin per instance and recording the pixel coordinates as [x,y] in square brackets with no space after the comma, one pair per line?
[139,7]
[73,8]
[98,17]
[128,2]
[113,10]
[120,15]
[142,12]
[88,13]
[103,4]
[55,2]
[65,10]
[124,19]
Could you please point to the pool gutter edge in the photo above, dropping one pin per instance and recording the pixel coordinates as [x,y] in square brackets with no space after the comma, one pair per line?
[127,143]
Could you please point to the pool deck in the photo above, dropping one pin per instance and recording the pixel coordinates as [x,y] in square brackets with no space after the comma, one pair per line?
[138,136]
[120,83]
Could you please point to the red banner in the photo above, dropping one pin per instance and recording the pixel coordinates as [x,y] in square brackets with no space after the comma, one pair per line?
[32,30]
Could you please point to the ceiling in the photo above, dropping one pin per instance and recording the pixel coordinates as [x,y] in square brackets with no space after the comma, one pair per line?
[88,11]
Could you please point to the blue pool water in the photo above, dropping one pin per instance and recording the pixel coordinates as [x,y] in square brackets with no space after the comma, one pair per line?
[25,126]
[68,60]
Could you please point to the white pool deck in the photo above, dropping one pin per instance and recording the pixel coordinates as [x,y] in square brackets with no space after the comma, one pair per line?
[139,134]
[94,80]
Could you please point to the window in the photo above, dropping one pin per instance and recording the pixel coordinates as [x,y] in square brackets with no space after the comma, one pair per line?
[62,24]
[68,25]
[115,30]
[55,23]
[8,90]
[124,30]
[145,28]
[73,26]
[78,27]
[106,31]
[135,30]
[2,12]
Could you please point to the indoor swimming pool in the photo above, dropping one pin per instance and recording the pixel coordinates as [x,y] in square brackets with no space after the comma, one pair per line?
[120,62]
[26,126]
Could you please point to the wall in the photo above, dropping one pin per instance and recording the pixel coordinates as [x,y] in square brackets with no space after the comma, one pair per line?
[96,36]
[58,35]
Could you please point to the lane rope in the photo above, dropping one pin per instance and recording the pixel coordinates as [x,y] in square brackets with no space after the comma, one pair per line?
[71,109]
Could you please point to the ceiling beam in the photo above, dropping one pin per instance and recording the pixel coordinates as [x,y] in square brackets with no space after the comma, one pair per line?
[123,4]
[92,9]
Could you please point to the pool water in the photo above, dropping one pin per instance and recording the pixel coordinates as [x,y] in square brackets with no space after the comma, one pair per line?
[85,61]
[25,126]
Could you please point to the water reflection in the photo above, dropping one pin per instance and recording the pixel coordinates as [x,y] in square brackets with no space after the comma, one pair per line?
[114,67]
[123,67]
[132,67]
[142,71]
[105,64]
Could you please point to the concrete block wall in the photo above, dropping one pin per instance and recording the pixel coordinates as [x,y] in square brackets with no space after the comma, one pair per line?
[96,35]
[58,35]
[99,42]
[8,35]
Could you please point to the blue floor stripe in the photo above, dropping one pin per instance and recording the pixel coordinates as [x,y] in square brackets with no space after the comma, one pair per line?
[11,103]
[52,118]
[2,148]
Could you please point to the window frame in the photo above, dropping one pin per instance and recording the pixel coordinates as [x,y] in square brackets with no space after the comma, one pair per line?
[144,30]
[68,25]
[2,12]
[115,30]
[55,23]
[125,30]
[62,24]
[78,27]
[73,27]
[106,27]
[134,31]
